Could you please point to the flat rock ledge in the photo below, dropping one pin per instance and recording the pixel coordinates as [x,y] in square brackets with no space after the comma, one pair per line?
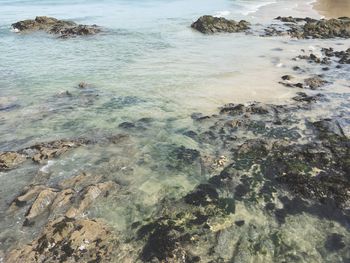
[210,25]
[55,26]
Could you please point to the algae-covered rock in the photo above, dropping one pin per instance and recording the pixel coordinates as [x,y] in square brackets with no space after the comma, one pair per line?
[68,240]
[55,26]
[313,28]
[10,160]
[210,24]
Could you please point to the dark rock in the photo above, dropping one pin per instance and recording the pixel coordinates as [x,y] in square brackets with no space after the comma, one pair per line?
[239,223]
[315,82]
[127,125]
[79,30]
[287,77]
[335,242]
[343,56]
[9,107]
[203,195]
[164,242]
[54,26]
[83,85]
[199,116]
[190,134]
[315,59]
[312,28]
[327,28]
[290,19]
[211,24]
[303,97]
[185,156]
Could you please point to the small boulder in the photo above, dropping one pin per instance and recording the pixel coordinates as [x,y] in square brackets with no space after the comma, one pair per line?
[9,160]
[315,82]
[210,24]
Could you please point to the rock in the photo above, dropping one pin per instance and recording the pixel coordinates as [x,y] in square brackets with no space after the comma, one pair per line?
[185,156]
[335,242]
[40,23]
[326,128]
[54,26]
[68,240]
[254,148]
[80,30]
[41,204]
[88,196]
[210,24]
[239,223]
[343,56]
[315,59]
[127,125]
[29,194]
[287,77]
[63,200]
[202,195]
[327,28]
[45,151]
[315,82]
[303,97]
[80,181]
[83,85]
[290,19]
[10,160]
[162,245]
[312,28]
[8,107]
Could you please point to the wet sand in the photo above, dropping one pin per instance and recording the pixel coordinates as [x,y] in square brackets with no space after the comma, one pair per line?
[333,8]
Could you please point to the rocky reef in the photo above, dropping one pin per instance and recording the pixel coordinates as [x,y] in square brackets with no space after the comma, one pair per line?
[210,24]
[62,28]
[304,28]
[68,240]
[268,182]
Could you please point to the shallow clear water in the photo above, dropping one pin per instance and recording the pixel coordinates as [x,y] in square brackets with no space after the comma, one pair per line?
[148,63]
[148,52]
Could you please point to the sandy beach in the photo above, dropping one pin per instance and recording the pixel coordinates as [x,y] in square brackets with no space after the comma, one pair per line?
[333,8]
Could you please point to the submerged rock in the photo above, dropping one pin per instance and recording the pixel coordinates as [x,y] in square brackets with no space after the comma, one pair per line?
[210,24]
[72,198]
[45,151]
[68,240]
[55,26]
[10,160]
[41,204]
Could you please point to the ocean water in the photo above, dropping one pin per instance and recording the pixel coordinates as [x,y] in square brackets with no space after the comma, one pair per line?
[147,63]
